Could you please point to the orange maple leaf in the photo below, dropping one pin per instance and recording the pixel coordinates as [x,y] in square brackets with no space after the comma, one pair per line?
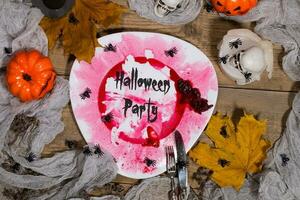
[77,28]
[234,153]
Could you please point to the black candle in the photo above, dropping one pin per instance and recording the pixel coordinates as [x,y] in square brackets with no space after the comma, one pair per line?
[53,8]
[54,4]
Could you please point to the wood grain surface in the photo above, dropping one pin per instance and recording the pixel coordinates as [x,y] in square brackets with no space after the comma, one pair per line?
[267,99]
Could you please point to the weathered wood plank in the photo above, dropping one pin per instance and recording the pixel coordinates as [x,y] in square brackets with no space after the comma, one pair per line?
[205,32]
[270,105]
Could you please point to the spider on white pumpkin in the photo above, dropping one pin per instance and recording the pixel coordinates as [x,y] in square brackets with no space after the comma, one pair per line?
[244,56]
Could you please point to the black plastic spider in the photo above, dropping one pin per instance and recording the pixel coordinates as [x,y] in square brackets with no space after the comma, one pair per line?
[31,157]
[110,47]
[117,187]
[7,50]
[209,8]
[98,150]
[223,59]
[86,94]
[284,159]
[150,162]
[73,19]
[16,167]
[223,162]
[235,44]
[98,34]
[107,118]
[224,132]
[87,151]
[247,76]
[171,52]
[71,144]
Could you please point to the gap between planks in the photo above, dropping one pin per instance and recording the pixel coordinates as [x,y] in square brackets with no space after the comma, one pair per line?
[270,105]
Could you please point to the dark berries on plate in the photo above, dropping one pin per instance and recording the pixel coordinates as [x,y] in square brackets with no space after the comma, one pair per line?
[184,87]
[192,96]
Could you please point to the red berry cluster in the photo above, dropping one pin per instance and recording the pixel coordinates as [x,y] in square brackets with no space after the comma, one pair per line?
[192,96]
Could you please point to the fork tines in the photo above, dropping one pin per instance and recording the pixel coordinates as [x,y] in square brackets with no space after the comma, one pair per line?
[171,165]
[171,170]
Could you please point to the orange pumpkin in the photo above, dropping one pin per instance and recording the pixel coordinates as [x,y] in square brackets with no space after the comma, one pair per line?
[233,7]
[30,75]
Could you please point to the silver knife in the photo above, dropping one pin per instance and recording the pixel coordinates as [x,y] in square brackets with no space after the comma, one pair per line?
[181,166]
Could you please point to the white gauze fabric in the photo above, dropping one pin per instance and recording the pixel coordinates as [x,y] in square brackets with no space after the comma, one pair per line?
[188,11]
[19,29]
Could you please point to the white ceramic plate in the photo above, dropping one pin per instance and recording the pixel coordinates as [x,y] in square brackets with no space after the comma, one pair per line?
[127,101]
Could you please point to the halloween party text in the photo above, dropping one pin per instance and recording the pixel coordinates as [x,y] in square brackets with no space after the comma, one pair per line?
[133,82]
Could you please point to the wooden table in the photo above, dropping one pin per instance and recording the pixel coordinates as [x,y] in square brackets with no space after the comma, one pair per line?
[267,99]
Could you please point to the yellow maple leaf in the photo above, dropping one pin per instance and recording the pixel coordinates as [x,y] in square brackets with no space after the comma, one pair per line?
[77,28]
[233,153]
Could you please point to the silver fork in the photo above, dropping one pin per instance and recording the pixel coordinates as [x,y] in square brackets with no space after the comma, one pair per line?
[171,170]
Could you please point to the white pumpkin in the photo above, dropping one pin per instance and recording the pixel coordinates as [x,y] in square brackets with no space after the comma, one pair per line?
[244,56]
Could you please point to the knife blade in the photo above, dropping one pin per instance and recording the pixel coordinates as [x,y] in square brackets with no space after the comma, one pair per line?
[181,165]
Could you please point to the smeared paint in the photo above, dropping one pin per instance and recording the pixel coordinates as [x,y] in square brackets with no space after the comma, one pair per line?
[164,128]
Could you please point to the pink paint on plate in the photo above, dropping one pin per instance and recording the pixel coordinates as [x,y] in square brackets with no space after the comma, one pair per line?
[127,99]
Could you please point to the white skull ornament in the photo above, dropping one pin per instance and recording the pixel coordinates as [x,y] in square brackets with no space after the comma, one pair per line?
[244,56]
[249,64]
[164,7]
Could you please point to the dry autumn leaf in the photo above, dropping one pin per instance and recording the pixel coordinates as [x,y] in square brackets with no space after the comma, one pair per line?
[77,28]
[234,153]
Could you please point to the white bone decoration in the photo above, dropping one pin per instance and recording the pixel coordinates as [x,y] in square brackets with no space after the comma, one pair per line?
[244,56]
[164,7]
